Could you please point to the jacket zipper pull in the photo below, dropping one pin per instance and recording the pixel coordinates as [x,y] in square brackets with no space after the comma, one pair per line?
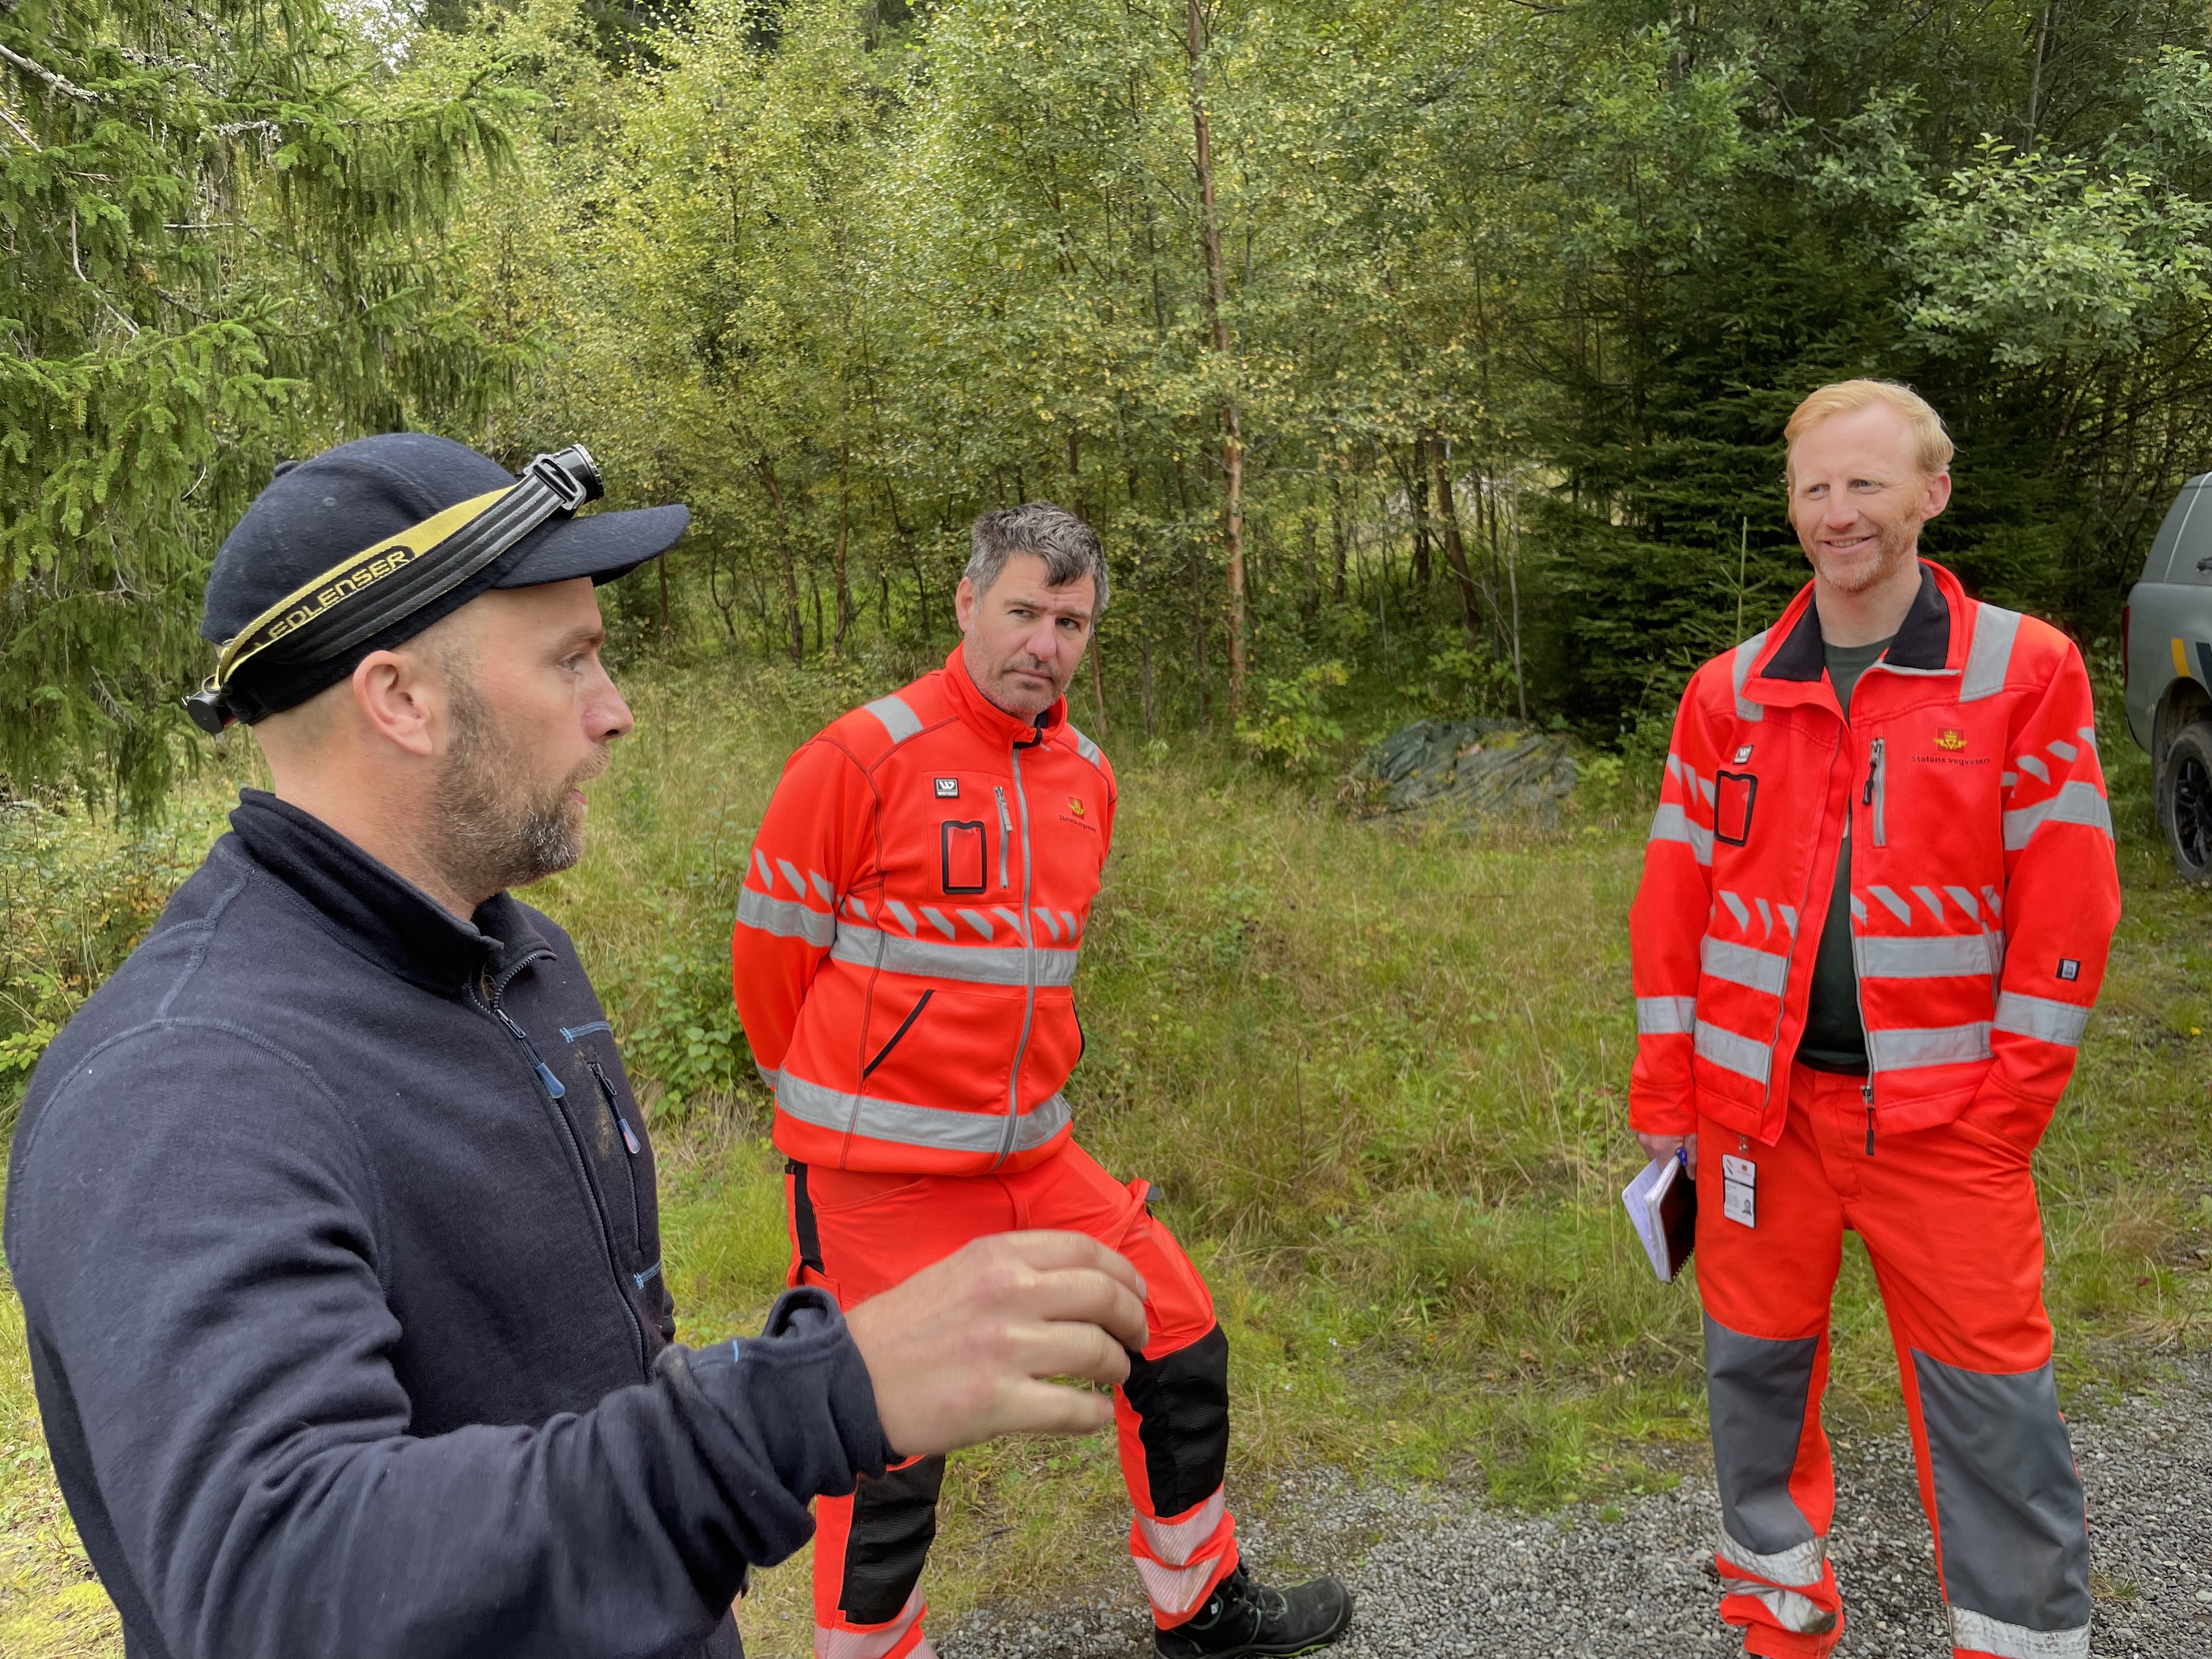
[1874,765]
[1866,1093]
[552,1083]
[607,1089]
[1005,832]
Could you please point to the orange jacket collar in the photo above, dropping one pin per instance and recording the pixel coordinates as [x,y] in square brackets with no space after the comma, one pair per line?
[1791,665]
[986,717]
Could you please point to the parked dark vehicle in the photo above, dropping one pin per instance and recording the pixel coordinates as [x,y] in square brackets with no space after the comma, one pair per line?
[2167,645]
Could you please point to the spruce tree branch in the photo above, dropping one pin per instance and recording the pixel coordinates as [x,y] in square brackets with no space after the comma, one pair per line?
[67,89]
[21,130]
[77,265]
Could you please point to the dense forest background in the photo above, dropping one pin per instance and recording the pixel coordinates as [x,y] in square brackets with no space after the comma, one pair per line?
[1410,354]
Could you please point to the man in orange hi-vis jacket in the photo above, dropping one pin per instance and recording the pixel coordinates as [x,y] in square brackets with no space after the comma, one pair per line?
[904,959]
[1874,913]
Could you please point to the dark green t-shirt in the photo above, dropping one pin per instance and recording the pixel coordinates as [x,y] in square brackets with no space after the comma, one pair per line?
[1834,1040]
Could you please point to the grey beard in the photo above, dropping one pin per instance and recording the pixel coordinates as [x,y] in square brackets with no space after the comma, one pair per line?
[493,832]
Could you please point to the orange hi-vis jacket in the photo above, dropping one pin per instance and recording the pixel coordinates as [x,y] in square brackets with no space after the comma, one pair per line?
[1984,887]
[906,935]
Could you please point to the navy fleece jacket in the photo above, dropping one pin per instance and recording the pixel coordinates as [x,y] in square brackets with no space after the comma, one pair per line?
[333,1220]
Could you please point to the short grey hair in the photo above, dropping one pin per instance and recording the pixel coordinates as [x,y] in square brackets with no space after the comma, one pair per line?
[1069,546]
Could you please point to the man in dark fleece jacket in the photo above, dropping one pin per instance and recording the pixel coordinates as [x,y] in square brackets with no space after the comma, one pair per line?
[332,1212]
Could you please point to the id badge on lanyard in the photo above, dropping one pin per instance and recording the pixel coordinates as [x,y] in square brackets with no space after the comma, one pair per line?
[1740,1191]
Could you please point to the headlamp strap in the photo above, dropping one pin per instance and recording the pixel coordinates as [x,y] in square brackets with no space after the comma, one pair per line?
[369,591]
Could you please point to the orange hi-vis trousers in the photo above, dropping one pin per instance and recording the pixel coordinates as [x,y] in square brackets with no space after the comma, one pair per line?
[1949,1216]
[856,1234]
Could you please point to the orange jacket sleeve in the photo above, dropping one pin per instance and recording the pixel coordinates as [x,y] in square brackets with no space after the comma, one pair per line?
[1666,923]
[811,848]
[2060,902]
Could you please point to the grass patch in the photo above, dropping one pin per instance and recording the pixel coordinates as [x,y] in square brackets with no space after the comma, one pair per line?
[1380,1071]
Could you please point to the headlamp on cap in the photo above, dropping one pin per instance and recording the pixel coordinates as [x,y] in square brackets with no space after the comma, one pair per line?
[369,591]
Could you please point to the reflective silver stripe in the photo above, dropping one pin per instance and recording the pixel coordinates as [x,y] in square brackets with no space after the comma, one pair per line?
[1896,906]
[936,919]
[972,964]
[785,918]
[1084,746]
[1990,654]
[1953,956]
[1936,1045]
[2078,802]
[1965,901]
[1665,1016]
[1994,900]
[791,874]
[1671,822]
[917,1125]
[1739,671]
[1789,918]
[1978,1632]
[1927,897]
[1858,909]
[2045,1018]
[1745,1057]
[2089,736]
[1741,964]
[2034,767]
[766,1076]
[1173,1542]
[2064,750]
[1791,1611]
[981,923]
[1765,918]
[1800,1564]
[1051,925]
[1173,1591]
[876,1641]
[822,890]
[901,721]
[1736,909]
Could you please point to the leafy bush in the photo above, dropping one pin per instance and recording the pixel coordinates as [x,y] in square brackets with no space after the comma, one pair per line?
[1294,727]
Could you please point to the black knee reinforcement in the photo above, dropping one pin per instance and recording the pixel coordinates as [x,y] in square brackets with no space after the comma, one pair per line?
[1182,1403]
[894,1523]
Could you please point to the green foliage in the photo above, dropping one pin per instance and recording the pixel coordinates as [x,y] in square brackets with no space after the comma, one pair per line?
[222,243]
[1295,728]
[691,1043]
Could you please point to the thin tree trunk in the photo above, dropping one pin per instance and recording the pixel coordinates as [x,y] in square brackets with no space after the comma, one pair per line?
[792,614]
[1340,538]
[1455,550]
[1216,304]
[844,543]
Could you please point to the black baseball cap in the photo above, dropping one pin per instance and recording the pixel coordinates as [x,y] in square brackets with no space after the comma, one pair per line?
[316,513]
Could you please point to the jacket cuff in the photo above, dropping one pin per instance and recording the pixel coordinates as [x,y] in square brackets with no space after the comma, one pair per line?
[1661,1117]
[794,1402]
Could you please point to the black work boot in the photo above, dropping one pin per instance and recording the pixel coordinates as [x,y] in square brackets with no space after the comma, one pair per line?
[1243,1618]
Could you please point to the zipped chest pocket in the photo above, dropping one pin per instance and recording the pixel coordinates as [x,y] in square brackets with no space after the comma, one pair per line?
[1874,797]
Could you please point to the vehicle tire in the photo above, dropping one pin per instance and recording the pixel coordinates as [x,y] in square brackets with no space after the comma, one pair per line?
[2185,796]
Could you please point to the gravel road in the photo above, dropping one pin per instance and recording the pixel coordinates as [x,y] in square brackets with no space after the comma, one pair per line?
[1449,1577]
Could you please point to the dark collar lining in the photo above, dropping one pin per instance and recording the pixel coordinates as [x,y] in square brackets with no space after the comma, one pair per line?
[384,917]
[1800,656]
[1922,640]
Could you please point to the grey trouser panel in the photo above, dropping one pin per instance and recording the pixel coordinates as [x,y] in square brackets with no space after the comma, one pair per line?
[1757,1393]
[2009,1513]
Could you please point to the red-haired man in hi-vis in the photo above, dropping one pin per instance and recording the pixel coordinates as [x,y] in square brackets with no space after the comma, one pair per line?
[1875,909]
[904,958]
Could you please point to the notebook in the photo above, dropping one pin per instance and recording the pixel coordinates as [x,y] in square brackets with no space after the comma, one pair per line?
[1662,1202]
